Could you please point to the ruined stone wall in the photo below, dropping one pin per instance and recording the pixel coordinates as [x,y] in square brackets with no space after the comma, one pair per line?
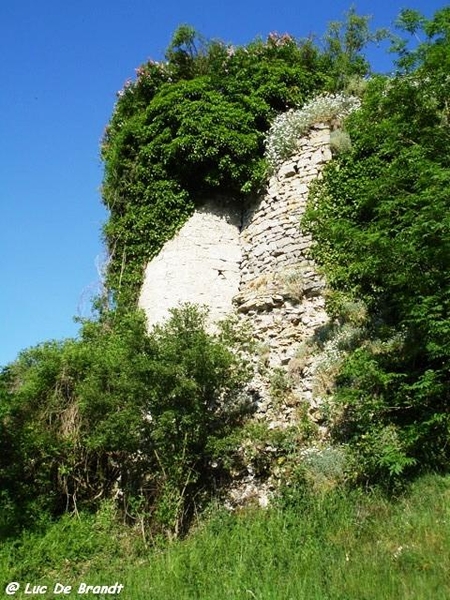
[200,265]
[255,263]
[271,240]
[281,293]
[222,250]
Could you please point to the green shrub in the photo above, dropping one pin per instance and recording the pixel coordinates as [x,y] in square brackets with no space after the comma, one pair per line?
[340,141]
[119,413]
[194,125]
[380,223]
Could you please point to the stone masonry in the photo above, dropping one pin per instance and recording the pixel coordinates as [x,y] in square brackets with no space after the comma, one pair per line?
[281,293]
[200,265]
[255,264]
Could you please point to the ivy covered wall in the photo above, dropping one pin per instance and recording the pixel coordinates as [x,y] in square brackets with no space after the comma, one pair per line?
[195,124]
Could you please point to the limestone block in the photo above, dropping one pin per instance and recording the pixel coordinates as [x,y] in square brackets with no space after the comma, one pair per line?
[200,265]
[317,157]
[287,170]
[303,163]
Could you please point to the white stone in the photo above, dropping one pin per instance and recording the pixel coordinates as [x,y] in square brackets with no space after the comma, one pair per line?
[231,261]
[287,170]
[200,265]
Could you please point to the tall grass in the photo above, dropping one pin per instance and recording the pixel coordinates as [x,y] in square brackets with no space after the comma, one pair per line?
[332,546]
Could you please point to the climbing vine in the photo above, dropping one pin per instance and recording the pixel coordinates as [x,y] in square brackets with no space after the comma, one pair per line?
[194,124]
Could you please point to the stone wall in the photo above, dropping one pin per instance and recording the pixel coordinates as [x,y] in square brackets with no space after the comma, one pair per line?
[271,239]
[281,293]
[281,298]
[255,263]
[200,265]
[255,259]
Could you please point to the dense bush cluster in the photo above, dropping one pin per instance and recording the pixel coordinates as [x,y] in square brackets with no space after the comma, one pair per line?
[380,221]
[118,413]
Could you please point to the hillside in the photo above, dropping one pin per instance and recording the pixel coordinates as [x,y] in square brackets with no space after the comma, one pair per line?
[332,546]
[304,200]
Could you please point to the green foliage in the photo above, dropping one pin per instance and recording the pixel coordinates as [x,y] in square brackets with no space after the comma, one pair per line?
[63,547]
[340,141]
[380,220]
[137,233]
[288,128]
[194,125]
[118,413]
[344,44]
[334,545]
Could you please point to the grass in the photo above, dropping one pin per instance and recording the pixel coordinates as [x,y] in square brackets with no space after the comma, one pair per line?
[331,546]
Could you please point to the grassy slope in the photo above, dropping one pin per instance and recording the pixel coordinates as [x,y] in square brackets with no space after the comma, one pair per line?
[332,547]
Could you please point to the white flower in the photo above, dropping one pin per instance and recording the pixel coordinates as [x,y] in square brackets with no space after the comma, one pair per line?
[287,128]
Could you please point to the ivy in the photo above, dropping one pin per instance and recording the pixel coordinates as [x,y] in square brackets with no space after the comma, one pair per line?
[191,126]
[380,220]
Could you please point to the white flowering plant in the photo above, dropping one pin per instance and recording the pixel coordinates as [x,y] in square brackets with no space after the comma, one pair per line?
[283,136]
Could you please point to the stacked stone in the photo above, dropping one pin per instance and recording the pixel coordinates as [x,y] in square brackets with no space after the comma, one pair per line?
[275,250]
[281,293]
[270,237]
[265,272]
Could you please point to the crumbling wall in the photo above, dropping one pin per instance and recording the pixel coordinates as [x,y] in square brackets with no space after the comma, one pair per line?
[200,265]
[281,292]
[255,263]
[253,260]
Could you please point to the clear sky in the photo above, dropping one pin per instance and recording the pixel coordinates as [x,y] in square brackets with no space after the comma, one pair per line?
[62,63]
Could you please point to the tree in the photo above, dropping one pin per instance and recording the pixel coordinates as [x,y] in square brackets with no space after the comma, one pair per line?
[194,125]
[381,225]
[344,43]
[118,413]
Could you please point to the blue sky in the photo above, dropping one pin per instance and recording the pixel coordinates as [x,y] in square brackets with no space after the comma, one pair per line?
[62,63]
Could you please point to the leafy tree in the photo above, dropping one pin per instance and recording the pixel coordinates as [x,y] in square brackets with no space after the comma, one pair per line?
[344,43]
[380,220]
[118,413]
[195,124]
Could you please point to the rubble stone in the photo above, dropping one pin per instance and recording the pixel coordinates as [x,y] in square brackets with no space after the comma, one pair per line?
[254,262]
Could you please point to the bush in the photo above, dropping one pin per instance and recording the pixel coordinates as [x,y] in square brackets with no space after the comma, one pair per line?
[380,223]
[121,414]
[287,129]
[194,125]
